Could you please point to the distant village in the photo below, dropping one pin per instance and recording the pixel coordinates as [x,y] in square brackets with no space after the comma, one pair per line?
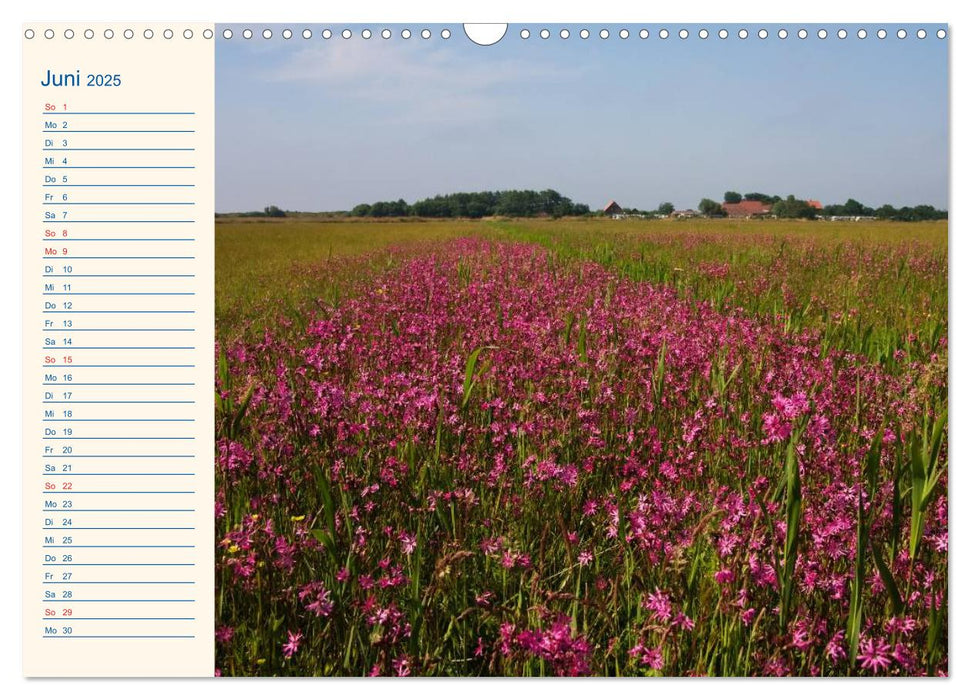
[760,206]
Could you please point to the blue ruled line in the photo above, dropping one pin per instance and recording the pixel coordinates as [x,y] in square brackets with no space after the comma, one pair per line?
[47,474]
[119,438]
[116,528]
[74,240]
[120,294]
[115,204]
[121,347]
[130,456]
[118,149]
[123,221]
[118,636]
[119,167]
[125,113]
[119,402]
[70,564]
[119,420]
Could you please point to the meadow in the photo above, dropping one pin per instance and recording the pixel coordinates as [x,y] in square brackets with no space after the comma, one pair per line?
[581,447]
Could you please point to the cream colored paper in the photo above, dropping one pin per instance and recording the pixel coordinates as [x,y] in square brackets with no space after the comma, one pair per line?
[118,350]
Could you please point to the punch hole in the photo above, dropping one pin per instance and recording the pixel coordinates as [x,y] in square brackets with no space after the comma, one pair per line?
[683,34]
[861,34]
[604,34]
[247,33]
[405,33]
[168,34]
[802,34]
[941,34]
[564,33]
[623,34]
[48,33]
[327,34]
[227,34]
[426,34]
[129,34]
[306,33]
[287,34]
[544,34]
[901,33]
[446,33]
[584,33]
[881,34]
[643,34]
[366,34]
[524,34]
[29,34]
[921,34]
[88,34]
[663,34]
[783,34]
[346,34]
[385,34]
[267,34]
[702,33]
[187,34]
[743,33]
[207,34]
[68,33]
[763,34]
[841,34]
[148,34]
[722,33]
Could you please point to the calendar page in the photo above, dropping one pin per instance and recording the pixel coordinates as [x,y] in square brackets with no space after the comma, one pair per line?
[525,349]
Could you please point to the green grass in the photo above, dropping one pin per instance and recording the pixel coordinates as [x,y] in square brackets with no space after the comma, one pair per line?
[261,264]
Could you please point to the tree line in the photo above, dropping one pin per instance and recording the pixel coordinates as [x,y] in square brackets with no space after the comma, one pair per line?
[529,203]
[475,205]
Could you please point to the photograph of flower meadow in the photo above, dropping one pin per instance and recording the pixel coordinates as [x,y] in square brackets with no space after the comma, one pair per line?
[618,355]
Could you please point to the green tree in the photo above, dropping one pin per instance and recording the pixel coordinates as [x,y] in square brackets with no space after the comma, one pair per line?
[852,208]
[665,208]
[732,197]
[759,197]
[274,211]
[792,208]
[710,207]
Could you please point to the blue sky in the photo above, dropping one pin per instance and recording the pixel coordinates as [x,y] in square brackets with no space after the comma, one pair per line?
[320,125]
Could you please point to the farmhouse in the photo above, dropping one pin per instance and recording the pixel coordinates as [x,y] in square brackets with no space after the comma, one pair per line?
[746,209]
[612,208]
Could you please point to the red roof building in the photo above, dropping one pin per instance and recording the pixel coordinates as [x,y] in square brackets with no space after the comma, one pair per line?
[746,208]
[814,203]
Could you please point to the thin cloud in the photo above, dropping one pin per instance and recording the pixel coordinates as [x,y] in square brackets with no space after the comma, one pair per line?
[416,83]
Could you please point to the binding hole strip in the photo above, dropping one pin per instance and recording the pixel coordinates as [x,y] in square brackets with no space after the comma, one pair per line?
[565,33]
